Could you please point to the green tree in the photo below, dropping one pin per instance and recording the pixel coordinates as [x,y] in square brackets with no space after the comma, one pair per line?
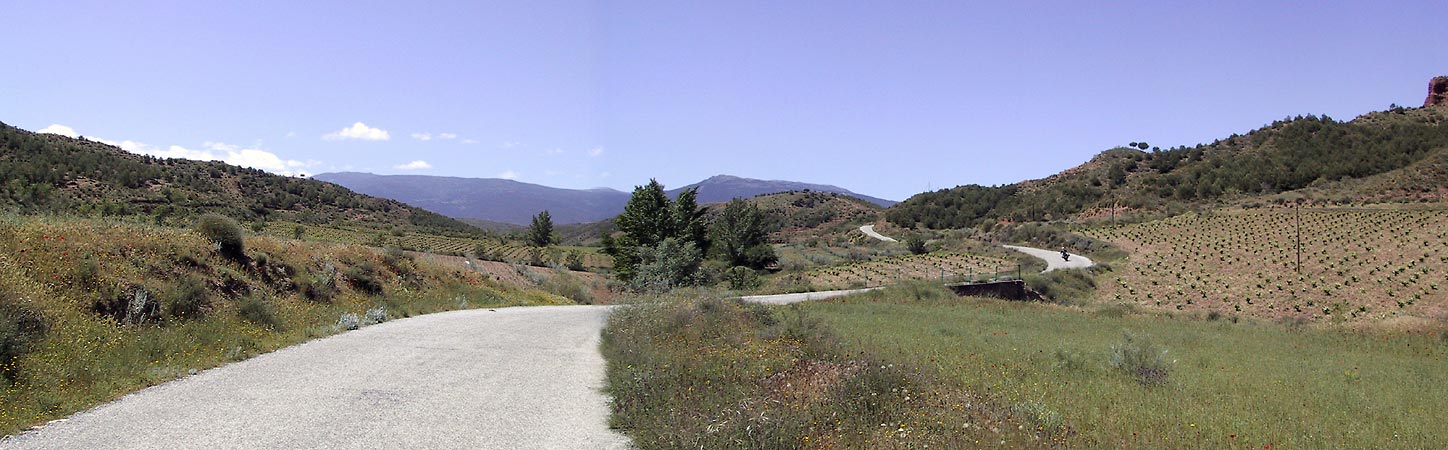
[664,267]
[648,220]
[540,233]
[739,236]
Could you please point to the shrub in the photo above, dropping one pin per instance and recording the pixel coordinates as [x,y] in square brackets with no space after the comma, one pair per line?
[1047,421]
[374,316]
[1138,357]
[741,278]
[398,261]
[188,299]
[363,278]
[1063,286]
[21,326]
[566,285]
[224,233]
[916,245]
[671,264]
[258,311]
[349,321]
[320,289]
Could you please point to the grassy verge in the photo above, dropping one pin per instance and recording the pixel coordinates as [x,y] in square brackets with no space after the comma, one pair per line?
[700,372]
[92,310]
[1219,384]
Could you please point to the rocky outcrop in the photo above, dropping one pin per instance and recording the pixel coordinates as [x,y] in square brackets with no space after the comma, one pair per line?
[1437,92]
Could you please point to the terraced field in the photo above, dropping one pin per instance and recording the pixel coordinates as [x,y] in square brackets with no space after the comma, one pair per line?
[1356,264]
[930,266]
[496,249]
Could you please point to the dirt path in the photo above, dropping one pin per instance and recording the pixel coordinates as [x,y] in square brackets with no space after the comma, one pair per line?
[869,230]
[526,377]
[785,299]
[1053,258]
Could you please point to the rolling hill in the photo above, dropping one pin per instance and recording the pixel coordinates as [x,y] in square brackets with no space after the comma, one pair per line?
[508,201]
[47,173]
[1387,156]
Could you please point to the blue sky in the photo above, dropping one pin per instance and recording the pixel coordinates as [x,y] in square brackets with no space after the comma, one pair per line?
[884,98]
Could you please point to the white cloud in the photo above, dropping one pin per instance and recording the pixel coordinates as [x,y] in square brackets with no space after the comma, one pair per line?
[508,175]
[469,141]
[415,165]
[360,131]
[291,134]
[446,136]
[218,151]
[596,151]
[59,129]
[424,136]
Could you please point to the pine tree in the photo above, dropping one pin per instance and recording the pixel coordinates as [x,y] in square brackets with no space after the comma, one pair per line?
[540,233]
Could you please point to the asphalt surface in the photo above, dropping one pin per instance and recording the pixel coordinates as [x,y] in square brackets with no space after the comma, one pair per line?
[508,378]
[1053,258]
[785,299]
[869,230]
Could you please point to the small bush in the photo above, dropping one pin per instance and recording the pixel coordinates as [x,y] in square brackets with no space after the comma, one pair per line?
[320,289]
[398,261]
[566,285]
[258,311]
[1047,420]
[1063,286]
[741,278]
[224,233]
[1138,357]
[21,326]
[916,245]
[188,299]
[374,316]
[363,278]
[349,321]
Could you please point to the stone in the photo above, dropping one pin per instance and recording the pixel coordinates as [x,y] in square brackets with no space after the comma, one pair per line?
[1437,92]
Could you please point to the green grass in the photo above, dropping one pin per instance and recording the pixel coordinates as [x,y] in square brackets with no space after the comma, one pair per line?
[1230,385]
[694,371]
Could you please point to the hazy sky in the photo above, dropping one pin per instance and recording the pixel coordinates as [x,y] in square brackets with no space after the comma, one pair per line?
[884,98]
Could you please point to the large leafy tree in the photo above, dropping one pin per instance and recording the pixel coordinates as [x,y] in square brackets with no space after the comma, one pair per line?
[739,236]
[647,220]
[540,233]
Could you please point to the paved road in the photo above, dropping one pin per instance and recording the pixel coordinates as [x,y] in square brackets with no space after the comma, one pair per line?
[1053,258]
[785,299]
[869,230]
[511,378]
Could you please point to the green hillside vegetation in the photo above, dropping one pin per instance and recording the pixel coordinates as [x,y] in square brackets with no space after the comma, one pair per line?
[91,309]
[46,173]
[1286,155]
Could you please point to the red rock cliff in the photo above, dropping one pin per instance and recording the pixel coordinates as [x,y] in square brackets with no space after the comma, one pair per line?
[1437,92]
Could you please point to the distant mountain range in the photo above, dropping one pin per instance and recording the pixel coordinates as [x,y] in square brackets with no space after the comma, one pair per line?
[515,202]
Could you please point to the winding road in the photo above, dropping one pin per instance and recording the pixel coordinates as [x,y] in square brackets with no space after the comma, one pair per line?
[526,377]
[869,230]
[1053,258]
[785,299]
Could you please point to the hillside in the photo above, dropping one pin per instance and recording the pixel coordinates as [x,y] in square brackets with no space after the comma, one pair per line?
[1395,149]
[47,173]
[514,202]
[490,199]
[798,214]
[722,188]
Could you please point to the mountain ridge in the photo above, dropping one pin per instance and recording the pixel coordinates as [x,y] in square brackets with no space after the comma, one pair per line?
[516,202]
